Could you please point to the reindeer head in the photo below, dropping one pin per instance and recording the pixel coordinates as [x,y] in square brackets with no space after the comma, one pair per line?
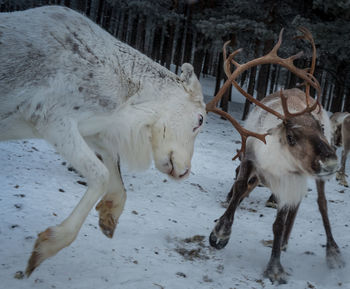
[291,122]
[304,145]
[174,133]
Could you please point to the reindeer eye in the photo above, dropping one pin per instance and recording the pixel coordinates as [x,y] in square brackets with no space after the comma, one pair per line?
[291,140]
[200,120]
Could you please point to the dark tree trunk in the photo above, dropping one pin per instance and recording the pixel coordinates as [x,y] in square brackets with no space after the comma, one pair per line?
[347,101]
[179,46]
[188,37]
[226,97]
[264,72]
[251,84]
[219,74]
[124,30]
[318,75]
[88,8]
[168,45]
[134,25]
[329,99]
[141,32]
[288,76]
[99,15]
[156,43]
[278,73]
[292,81]
[81,5]
[206,63]
[339,88]
[66,3]
[243,78]
[324,90]
[273,78]
[199,55]
[107,14]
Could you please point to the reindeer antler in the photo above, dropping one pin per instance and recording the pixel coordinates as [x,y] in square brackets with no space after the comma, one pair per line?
[270,58]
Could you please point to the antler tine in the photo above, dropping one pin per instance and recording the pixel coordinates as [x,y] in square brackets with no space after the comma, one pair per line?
[277,45]
[242,131]
[227,69]
[211,106]
[308,36]
[310,79]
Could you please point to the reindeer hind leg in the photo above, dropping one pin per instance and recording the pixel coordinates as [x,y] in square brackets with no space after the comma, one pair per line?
[340,175]
[112,204]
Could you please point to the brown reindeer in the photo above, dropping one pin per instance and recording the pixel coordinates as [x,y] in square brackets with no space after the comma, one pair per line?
[296,132]
[341,138]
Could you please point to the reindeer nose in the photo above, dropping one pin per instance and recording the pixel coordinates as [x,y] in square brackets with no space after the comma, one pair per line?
[325,150]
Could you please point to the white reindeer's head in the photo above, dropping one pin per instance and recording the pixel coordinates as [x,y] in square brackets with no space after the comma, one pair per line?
[174,133]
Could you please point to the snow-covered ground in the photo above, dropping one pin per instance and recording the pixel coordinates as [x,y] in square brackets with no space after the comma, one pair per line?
[162,238]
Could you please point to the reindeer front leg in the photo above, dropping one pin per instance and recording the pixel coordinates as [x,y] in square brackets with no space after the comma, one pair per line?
[292,213]
[112,204]
[245,183]
[64,135]
[274,270]
[334,258]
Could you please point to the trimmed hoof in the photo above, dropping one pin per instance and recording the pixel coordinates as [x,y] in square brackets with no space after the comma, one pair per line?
[38,256]
[276,273]
[217,243]
[107,221]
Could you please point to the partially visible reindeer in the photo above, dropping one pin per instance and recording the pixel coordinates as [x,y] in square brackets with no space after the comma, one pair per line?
[296,147]
[341,138]
[66,80]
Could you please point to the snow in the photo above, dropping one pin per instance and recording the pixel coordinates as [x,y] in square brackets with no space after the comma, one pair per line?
[152,246]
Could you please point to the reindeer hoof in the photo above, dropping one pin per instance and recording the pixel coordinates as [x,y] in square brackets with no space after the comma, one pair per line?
[37,256]
[341,177]
[107,225]
[107,221]
[218,244]
[276,274]
[334,258]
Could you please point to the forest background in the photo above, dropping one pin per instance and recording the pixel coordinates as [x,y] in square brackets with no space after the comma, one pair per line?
[172,32]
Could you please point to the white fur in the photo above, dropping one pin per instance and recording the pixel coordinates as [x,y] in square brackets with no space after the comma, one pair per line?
[66,80]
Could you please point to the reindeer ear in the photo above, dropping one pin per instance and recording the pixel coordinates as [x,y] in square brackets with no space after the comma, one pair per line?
[190,80]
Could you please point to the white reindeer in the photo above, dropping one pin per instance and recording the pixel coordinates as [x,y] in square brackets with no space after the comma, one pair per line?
[340,122]
[66,80]
[297,147]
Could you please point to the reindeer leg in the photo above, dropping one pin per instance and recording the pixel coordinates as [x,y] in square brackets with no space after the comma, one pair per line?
[230,194]
[274,270]
[292,212]
[333,255]
[65,137]
[244,184]
[340,175]
[112,204]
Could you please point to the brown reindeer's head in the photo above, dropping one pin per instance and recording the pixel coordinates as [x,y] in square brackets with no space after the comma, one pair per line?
[301,132]
[302,136]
